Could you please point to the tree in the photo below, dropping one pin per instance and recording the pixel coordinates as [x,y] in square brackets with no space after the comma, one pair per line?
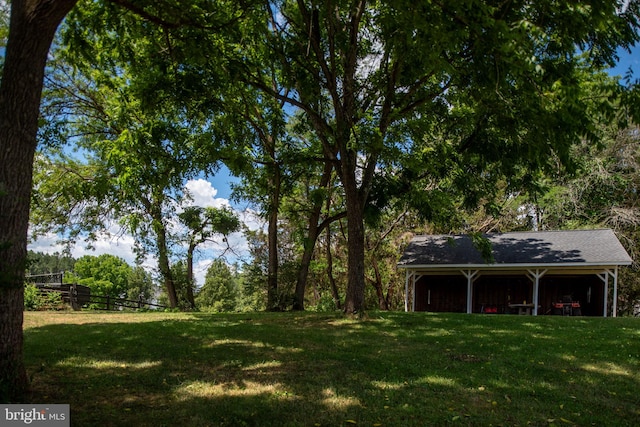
[481,70]
[110,275]
[105,274]
[135,178]
[254,272]
[33,24]
[147,111]
[32,27]
[220,291]
[41,263]
[263,167]
[203,224]
[290,183]
[141,148]
[141,285]
[603,193]
[264,176]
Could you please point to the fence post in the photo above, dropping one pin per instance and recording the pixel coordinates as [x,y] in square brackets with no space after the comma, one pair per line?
[73,297]
[108,300]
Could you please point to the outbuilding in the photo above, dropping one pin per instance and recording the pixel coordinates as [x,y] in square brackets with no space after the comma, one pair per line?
[544,272]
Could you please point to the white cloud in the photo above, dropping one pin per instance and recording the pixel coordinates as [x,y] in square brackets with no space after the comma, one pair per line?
[116,243]
[203,194]
[200,271]
[113,244]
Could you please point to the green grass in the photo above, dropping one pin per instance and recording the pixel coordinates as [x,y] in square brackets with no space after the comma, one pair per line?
[390,369]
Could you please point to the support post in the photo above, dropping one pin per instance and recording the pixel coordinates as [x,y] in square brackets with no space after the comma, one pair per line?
[614,308]
[470,275]
[536,276]
[73,297]
[406,290]
[605,278]
[413,292]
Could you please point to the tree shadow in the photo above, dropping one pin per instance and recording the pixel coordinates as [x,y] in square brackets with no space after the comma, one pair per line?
[461,250]
[286,369]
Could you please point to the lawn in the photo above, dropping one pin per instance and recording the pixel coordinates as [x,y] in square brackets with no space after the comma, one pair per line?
[309,369]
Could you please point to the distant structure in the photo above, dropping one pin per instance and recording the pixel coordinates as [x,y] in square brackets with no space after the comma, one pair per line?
[542,272]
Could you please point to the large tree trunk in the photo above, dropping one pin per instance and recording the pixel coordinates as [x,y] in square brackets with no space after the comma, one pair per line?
[165,267]
[377,284]
[332,280]
[310,244]
[33,25]
[273,302]
[13,376]
[190,297]
[354,300]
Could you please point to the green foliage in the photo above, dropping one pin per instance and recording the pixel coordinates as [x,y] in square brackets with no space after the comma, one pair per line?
[140,285]
[603,193]
[325,304]
[145,122]
[41,263]
[31,297]
[34,299]
[181,284]
[494,93]
[109,275]
[209,221]
[104,274]
[221,291]
[486,108]
[253,296]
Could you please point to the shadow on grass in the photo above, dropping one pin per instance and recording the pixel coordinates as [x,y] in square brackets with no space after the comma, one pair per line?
[312,369]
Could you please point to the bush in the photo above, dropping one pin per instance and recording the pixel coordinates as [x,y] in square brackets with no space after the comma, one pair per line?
[31,297]
[324,304]
[36,300]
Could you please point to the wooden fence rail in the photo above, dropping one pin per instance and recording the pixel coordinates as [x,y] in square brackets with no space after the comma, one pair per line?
[78,296]
[108,302]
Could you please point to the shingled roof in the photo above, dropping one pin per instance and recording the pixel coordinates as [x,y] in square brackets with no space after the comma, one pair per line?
[575,248]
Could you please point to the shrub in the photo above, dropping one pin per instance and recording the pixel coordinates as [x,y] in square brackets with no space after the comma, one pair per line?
[32,298]
[36,300]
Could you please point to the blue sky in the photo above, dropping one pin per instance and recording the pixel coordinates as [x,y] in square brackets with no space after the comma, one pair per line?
[222,182]
[628,60]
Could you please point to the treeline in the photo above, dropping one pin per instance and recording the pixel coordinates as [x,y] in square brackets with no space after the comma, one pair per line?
[224,288]
[42,263]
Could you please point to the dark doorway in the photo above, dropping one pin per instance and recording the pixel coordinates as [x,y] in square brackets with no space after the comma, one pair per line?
[441,294]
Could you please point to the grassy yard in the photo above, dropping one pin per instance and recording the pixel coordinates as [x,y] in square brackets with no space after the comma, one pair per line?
[390,369]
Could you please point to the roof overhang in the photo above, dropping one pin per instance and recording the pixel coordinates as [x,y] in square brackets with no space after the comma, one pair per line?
[580,251]
[513,269]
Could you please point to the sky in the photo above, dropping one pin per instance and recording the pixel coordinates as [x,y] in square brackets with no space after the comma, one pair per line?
[628,60]
[204,194]
[216,191]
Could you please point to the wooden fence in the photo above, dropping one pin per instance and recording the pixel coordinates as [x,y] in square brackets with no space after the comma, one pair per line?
[79,296]
[107,302]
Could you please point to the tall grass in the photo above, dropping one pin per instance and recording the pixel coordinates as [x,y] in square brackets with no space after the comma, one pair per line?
[282,369]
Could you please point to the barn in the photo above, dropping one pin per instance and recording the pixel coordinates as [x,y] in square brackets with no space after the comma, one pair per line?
[544,272]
